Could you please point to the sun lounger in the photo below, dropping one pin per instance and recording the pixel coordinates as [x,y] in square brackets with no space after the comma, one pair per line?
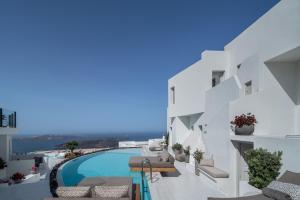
[287,177]
[162,163]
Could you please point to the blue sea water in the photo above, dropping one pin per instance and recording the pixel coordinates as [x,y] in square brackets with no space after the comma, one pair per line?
[107,163]
[29,143]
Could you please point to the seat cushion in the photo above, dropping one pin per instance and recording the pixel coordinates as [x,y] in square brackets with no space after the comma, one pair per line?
[110,191]
[136,161]
[73,191]
[214,172]
[207,162]
[290,177]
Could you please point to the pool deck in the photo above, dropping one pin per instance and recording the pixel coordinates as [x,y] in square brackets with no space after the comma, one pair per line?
[176,186]
[182,185]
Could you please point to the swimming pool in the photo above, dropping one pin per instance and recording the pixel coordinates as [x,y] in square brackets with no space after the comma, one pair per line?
[105,163]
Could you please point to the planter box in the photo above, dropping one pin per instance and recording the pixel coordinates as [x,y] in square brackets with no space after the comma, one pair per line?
[197,170]
[244,130]
[187,158]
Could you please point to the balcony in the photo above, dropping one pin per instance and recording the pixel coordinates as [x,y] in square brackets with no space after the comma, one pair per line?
[8,119]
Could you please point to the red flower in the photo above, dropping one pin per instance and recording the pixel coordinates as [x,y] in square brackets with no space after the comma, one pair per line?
[243,119]
[17,176]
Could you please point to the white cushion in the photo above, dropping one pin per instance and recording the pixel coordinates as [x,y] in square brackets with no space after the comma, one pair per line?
[110,191]
[73,191]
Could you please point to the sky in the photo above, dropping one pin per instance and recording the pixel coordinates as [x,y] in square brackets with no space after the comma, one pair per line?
[102,66]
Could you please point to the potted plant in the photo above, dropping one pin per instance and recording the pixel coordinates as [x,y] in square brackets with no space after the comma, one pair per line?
[197,155]
[177,148]
[187,154]
[2,164]
[17,177]
[244,124]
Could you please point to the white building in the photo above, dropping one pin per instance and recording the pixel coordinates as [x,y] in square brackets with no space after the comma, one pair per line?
[257,72]
[8,122]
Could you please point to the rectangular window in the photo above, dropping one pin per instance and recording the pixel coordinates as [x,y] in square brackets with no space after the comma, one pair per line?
[173,94]
[217,77]
[248,88]
[238,66]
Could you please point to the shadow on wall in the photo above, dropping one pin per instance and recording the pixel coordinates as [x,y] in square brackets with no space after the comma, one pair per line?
[286,70]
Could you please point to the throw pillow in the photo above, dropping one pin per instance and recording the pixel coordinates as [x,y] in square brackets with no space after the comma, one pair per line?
[73,191]
[110,191]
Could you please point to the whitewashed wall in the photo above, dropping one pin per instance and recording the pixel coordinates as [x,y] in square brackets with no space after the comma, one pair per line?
[278,113]
[4,142]
[191,84]
[22,166]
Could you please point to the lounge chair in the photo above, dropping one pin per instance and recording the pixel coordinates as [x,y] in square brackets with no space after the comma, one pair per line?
[161,163]
[287,177]
[102,181]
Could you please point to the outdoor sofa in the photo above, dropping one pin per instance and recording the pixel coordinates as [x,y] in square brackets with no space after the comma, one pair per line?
[287,177]
[98,181]
[161,163]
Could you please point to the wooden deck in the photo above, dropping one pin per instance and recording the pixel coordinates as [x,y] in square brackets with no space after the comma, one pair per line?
[155,169]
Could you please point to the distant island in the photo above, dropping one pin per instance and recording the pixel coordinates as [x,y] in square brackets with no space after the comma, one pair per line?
[30,143]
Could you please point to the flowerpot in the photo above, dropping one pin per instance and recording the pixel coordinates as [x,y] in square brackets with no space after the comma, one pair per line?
[187,158]
[176,152]
[197,171]
[244,130]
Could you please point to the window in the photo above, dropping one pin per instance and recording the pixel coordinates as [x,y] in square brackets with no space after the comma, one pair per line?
[248,88]
[217,77]
[173,94]
[238,66]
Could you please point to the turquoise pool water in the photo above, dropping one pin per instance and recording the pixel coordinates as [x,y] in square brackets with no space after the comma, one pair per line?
[106,163]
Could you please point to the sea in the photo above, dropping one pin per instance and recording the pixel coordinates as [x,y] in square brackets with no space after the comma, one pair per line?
[31,143]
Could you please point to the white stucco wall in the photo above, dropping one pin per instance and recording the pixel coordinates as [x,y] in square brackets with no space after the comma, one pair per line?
[275,89]
[22,166]
[180,131]
[4,142]
[297,119]
[298,81]
[191,84]
[275,32]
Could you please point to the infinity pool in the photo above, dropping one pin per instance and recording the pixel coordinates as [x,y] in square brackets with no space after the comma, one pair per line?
[106,163]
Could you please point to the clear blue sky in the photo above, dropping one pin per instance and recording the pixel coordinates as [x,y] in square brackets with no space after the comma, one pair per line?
[102,65]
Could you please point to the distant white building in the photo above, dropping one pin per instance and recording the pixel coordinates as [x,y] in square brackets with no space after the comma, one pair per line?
[257,72]
[8,128]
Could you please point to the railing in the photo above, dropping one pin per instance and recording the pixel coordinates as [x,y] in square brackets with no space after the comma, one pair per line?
[8,119]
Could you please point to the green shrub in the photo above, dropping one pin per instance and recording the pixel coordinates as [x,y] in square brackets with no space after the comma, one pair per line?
[177,147]
[72,145]
[198,155]
[263,165]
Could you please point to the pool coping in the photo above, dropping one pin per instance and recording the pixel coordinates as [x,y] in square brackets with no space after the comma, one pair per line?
[56,180]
